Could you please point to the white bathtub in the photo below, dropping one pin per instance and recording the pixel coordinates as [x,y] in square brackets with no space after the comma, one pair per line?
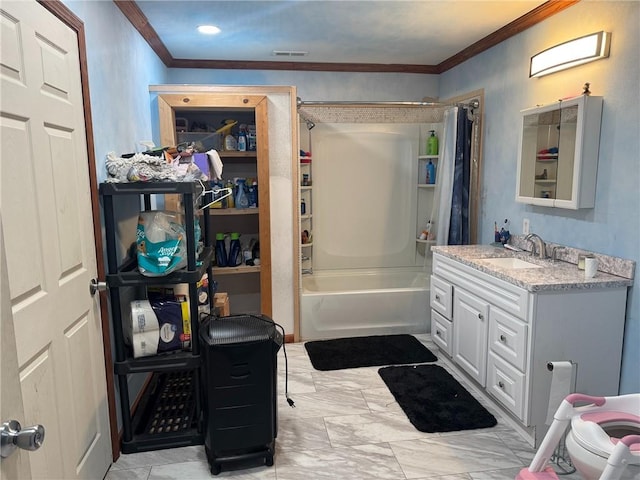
[356,303]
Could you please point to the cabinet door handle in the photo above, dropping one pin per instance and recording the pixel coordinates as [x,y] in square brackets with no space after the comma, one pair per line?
[438,297]
[501,385]
[438,333]
[480,316]
[503,338]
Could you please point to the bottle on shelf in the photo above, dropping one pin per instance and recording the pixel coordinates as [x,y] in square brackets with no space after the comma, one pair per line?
[432,143]
[426,232]
[252,194]
[255,253]
[241,199]
[251,138]
[230,199]
[242,139]
[431,173]
[255,188]
[235,251]
[221,251]
[217,195]
[230,143]
[303,207]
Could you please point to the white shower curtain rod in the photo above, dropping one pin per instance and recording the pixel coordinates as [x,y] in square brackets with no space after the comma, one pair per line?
[475,103]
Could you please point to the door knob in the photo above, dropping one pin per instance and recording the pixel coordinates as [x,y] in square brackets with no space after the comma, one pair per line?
[14,436]
[96,286]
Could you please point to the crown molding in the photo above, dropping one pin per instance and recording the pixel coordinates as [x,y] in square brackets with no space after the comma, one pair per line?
[140,22]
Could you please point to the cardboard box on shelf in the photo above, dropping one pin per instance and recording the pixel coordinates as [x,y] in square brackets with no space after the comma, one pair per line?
[221,304]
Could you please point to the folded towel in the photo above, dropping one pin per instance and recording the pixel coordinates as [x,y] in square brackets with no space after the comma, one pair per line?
[215,165]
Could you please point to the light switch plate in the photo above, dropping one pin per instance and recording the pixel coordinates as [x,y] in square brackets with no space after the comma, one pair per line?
[525,226]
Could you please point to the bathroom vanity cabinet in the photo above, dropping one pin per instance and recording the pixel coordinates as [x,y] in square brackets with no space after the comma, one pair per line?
[502,335]
[558,153]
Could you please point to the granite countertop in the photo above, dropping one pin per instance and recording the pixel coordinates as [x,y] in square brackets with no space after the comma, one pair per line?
[553,275]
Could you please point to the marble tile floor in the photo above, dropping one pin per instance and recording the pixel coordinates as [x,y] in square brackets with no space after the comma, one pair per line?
[346,425]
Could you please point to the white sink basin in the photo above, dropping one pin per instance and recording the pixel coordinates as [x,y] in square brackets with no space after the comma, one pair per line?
[509,262]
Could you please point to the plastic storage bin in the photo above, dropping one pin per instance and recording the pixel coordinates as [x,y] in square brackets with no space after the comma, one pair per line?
[239,379]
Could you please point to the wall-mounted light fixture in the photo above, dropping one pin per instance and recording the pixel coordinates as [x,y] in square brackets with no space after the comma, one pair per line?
[569,54]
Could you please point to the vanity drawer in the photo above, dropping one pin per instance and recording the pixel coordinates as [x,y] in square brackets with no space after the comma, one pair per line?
[506,384]
[441,332]
[504,295]
[508,338]
[441,296]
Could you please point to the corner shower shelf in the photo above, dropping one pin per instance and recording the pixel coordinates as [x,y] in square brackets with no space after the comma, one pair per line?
[304,245]
[428,242]
[426,185]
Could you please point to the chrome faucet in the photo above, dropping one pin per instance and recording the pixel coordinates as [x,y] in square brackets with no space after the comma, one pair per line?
[536,241]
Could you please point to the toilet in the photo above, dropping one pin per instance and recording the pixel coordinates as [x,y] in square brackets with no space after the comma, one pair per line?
[594,435]
[603,441]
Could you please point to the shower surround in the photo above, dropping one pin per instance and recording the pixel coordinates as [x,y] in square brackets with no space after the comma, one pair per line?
[370,276]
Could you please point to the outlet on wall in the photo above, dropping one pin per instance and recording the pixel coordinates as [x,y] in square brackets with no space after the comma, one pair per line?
[525,226]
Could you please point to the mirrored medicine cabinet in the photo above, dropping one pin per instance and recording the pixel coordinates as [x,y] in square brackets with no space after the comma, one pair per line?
[558,153]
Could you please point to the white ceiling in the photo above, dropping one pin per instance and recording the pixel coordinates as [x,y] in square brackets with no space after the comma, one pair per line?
[353,31]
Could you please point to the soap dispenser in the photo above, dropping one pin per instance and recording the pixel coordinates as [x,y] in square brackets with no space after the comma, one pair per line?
[432,144]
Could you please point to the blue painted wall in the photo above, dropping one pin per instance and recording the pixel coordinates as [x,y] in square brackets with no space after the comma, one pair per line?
[121,67]
[613,226]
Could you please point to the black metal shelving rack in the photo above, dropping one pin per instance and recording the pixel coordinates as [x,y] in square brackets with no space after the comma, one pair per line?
[175,374]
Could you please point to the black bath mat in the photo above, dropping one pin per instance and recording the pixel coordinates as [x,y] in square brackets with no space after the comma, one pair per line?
[433,400]
[370,351]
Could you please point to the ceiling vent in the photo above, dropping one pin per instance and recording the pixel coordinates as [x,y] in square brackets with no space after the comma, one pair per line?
[289,53]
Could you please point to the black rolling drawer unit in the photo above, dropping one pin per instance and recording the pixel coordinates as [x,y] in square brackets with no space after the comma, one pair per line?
[239,376]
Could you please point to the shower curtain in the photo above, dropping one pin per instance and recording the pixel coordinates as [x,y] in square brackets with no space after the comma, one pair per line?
[451,207]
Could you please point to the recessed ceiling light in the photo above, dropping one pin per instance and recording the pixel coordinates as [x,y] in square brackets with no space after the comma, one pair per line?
[208,29]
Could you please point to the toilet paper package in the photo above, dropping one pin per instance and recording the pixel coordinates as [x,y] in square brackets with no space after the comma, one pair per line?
[157,325]
[161,242]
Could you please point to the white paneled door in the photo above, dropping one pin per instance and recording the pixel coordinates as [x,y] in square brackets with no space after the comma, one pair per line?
[45,207]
